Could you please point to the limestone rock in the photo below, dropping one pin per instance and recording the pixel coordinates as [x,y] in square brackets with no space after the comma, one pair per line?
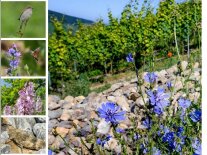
[184,65]
[51,139]
[69,99]
[53,98]
[62,131]
[54,106]
[39,130]
[103,127]
[5,149]
[54,113]
[122,102]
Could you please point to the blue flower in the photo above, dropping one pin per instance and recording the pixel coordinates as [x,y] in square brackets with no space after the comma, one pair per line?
[197,146]
[195,115]
[129,58]
[14,63]
[178,147]
[180,139]
[169,138]
[111,113]
[14,55]
[147,123]
[159,100]
[144,148]
[119,130]
[11,51]
[103,142]
[14,52]
[98,141]
[169,85]
[156,151]
[108,137]
[180,131]
[184,103]
[150,77]
[136,136]
[49,152]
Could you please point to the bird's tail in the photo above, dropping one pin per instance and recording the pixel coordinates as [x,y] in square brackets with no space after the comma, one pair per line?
[20,27]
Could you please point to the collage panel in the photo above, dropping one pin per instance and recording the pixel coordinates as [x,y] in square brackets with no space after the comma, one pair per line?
[23,19]
[23,58]
[23,135]
[23,97]
[125,77]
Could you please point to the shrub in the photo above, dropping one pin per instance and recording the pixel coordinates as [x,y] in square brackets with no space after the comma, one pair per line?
[77,87]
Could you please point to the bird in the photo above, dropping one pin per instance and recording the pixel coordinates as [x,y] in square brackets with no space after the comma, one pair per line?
[24,17]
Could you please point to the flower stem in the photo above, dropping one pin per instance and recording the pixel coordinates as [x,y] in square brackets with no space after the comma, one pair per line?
[138,86]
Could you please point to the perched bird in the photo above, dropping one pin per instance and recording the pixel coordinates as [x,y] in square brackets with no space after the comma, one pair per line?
[24,17]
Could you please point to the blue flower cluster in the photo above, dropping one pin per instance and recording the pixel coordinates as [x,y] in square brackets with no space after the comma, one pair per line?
[174,139]
[197,146]
[104,141]
[184,103]
[147,123]
[159,100]
[15,56]
[172,136]
[195,115]
[150,77]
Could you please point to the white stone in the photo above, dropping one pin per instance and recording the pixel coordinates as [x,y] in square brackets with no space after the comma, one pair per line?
[122,101]
[184,65]
[111,98]
[69,99]
[103,127]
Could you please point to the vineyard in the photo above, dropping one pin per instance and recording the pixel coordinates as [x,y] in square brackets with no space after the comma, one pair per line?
[100,49]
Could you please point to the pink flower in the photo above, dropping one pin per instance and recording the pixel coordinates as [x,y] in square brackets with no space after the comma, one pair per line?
[26,102]
[7,110]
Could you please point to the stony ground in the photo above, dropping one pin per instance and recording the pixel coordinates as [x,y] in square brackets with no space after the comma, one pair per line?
[70,112]
[23,135]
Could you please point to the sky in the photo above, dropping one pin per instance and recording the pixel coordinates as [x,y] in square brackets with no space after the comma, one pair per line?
[3,83]
[91,9]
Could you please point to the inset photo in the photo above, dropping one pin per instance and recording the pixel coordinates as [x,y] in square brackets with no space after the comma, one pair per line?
[23,19]
[23,58]
[23,135]
[23,96]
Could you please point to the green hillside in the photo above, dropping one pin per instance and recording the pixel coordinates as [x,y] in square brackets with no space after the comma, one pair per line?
[67,20]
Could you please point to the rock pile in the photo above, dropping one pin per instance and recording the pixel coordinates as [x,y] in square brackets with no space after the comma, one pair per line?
[69,117]
[23,135]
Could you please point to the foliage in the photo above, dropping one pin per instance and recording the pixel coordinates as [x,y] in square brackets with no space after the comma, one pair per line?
[101,89]
[95,73]
[77,87]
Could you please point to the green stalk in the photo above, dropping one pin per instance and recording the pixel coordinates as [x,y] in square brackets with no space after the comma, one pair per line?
[138,86]
[67,144]
[93,131]
[176,42]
